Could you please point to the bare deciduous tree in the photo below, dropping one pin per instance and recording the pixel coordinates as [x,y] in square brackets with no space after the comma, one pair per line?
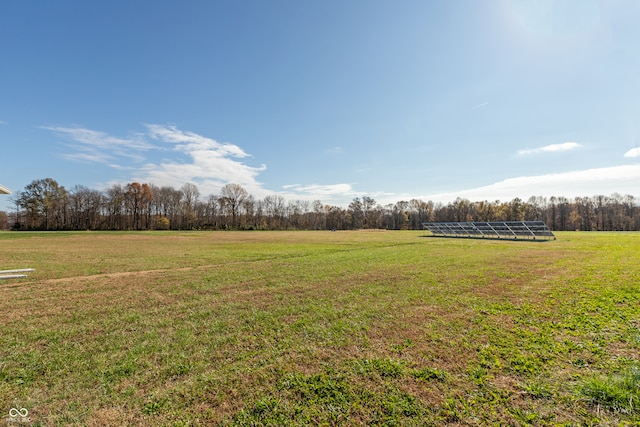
[232,196]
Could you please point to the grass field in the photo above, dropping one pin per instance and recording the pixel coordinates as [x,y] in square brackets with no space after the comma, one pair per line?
[320,328]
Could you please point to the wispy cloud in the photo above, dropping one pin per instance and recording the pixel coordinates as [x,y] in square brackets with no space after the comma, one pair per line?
[319,190]
[334,150]
[617,179]
[192,142]
[99,147]
[634,152]
[212,164]
[339,194]
[483,104]
[207,163]
[88,157]
[100,139]
[552,148]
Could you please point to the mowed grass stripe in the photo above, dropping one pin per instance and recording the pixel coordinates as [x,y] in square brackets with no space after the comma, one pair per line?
[311,328]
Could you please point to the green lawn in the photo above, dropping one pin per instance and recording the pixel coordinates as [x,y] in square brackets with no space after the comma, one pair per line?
[320,328]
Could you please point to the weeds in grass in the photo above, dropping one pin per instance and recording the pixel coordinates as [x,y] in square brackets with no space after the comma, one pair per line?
[538,390]
[617,393]
[429,374]
[383,367]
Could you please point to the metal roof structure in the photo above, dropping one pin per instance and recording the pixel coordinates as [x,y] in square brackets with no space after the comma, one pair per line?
[514,230]
[4,190]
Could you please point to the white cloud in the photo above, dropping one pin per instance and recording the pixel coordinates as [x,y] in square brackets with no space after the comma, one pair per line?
[634,152]
[93,157]
[191,142]
[623,179]
[99,139]
[331,194]
[552,148]
[318,190]
[211,166]
[483,104]
[203,161]
[208,163]
[99,147]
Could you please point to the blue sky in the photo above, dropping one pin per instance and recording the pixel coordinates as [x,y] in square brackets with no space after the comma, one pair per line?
[324,100]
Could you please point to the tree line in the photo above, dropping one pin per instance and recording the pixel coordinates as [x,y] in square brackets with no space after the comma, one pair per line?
[46,205]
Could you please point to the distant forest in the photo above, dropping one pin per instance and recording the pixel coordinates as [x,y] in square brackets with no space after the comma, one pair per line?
[45,205]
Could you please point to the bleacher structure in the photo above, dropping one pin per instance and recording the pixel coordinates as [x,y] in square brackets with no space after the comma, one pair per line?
[513,230]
